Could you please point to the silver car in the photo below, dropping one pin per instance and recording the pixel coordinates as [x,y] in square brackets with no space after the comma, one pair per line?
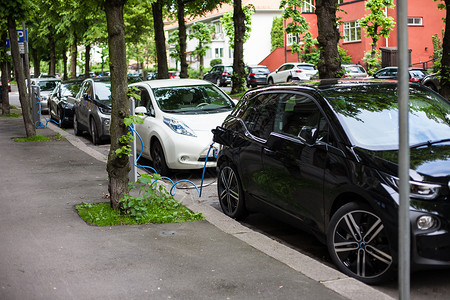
[46,86]
[92,109]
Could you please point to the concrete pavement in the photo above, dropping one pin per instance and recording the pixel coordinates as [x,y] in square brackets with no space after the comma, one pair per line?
[48,252]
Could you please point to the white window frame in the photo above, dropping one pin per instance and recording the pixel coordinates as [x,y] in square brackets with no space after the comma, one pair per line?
[415,21]
[352,31]
[308,6]
[291,38]
[340,1]
[218,53]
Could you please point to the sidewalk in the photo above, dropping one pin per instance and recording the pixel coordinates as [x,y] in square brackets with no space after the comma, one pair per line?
[48,252]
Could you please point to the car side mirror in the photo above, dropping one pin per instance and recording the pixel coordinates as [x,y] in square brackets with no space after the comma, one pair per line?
[307,134]
[140,110]
[222,136]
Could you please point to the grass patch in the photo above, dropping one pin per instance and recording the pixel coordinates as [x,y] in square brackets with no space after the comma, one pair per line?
[40,138]
[153,205]
[11,115]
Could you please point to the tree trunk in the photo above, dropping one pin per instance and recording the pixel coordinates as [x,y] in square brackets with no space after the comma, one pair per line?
[445,60]
[329,65]
[158,23]
[117,167]
[4,68]
[73,59]
[87,57]
[30,130]
[51,46]
[36,62]
[182,37]
[65,64]
[238,62]
[202,63]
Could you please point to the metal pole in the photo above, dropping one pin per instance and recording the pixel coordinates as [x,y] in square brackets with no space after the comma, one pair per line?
[403,104]
[133,170]
[26,64]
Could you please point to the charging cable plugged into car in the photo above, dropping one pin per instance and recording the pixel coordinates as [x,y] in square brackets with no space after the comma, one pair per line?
[38,123]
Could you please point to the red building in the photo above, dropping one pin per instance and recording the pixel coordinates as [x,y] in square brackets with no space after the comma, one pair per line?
[424,21]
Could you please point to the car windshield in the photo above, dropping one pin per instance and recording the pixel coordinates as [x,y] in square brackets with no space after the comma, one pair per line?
[103,92]
[70,89]
[47,85]
[417,74]
[260,70]
[303,67]
[192,99]
[228,70]
[369,115]
[354,69]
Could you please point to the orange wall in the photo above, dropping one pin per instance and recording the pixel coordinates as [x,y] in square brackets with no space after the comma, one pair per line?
[419,37]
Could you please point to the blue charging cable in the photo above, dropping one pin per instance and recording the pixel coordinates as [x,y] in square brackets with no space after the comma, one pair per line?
[174,184]
[39,124]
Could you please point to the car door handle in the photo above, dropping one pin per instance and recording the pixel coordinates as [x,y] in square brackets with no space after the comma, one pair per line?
[269,152]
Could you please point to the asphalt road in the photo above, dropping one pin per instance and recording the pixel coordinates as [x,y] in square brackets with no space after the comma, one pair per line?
[428,284]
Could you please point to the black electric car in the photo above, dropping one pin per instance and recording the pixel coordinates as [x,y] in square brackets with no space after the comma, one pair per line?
[323,155]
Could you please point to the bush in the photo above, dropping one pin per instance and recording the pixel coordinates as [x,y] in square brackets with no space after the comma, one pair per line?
[195,74]
[215,61]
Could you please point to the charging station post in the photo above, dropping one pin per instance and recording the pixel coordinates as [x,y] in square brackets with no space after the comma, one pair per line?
[133,170]
[35,96]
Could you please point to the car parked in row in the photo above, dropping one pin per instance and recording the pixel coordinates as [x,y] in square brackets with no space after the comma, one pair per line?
[354,71]
[220,75]
[256,75]
[415,75]
[323,155]
[178,116]
[92,109]
[59,108]
[432,81]
[292,71]
[46,86]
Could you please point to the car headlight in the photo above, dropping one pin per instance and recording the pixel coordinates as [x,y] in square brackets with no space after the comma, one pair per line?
[419,190]
[179,127]
[104,110]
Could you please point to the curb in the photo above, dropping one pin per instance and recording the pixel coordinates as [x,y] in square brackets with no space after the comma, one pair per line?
[329,277]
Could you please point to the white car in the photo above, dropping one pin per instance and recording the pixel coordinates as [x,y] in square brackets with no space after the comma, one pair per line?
[354,71]
[292,71]
[178,116]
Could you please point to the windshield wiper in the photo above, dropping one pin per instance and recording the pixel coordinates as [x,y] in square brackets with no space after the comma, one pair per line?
[429,143]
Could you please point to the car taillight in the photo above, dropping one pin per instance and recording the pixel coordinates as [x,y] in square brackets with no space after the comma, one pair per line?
[414,79]
[297,71]
[225,74]
[251,74]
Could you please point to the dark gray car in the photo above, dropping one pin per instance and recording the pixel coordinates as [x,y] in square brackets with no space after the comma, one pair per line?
[92,109]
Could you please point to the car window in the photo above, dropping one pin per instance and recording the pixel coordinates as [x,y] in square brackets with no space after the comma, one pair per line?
[369,115]
[417,74]
[283,68]
[103,92]
[259,116]
[259,70]
[47,85]
[296,114]
[354,69]
[89,89]
[70,89]
[192,99]
[228,70]
[145,100]
[303,67]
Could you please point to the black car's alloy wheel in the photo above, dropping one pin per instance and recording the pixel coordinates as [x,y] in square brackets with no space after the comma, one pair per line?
[358,244]
[218,82]
[230,193]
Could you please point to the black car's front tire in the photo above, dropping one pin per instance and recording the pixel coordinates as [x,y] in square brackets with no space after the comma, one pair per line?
[358,244]
[76,125]
[158,158]
[94,132]
[229,189]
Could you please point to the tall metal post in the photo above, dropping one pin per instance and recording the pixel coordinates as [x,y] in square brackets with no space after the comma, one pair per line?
[133,171]
[404,160]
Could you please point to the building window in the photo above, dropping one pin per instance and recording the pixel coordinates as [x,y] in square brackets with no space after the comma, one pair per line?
[218,27]
[415,21]
[340,1]
[352,31]
[308,6]
[230,52]
[218,52]
[292,38]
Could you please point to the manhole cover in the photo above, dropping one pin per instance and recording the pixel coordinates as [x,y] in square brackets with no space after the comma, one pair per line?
[167,233]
